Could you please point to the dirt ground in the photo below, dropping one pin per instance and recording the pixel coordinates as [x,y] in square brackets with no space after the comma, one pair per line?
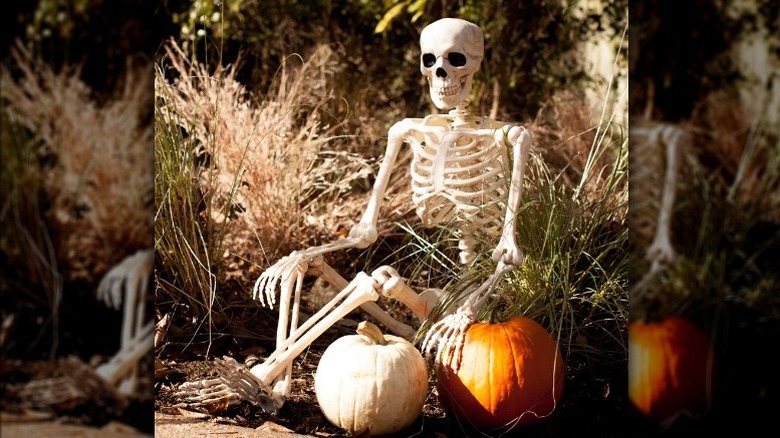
[188,424]
[24,426]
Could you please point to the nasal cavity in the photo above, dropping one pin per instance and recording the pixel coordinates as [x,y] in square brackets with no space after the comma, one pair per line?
[441,73]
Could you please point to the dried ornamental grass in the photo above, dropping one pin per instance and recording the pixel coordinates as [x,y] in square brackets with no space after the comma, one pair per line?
[273,172]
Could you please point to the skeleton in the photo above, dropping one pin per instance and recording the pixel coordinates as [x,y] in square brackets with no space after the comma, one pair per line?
[459,175]
[655,156]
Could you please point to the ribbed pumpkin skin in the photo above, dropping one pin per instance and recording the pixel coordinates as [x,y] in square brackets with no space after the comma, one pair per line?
[363,386]
[511,375]
[670,367]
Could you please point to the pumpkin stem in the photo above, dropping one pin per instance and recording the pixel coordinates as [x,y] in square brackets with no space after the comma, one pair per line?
[493,315]
[372,332]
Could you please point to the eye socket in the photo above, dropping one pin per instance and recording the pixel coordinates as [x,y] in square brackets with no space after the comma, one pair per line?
[457,59]
[428,59]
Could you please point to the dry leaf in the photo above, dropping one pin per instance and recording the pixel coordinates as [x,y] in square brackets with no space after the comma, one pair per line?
[160,370]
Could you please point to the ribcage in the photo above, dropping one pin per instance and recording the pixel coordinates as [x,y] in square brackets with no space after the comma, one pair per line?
[647,170]
[459,175]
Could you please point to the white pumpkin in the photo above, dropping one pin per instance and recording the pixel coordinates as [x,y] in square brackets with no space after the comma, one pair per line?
[371,383]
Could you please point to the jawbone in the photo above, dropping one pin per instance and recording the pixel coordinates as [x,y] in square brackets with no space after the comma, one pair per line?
[449,95]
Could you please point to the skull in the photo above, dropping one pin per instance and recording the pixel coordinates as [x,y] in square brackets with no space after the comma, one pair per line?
[451,51]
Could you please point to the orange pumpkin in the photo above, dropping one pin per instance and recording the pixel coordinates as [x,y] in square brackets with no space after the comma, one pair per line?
[511,375]
[670,367]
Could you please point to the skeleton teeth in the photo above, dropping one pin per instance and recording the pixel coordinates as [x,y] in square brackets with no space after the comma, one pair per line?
[452,90]
[449,91]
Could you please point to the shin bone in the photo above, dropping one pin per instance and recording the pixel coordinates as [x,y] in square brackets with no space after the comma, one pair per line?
[359,291]
[117,368]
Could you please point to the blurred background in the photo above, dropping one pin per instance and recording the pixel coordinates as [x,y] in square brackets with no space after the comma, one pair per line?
[76,199]
[711,70]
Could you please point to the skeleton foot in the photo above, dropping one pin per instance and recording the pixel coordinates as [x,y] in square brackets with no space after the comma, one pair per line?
[77,384]
[286,272]
[241,380]
[448,336]
[206,392]
[235,383]
[42,394]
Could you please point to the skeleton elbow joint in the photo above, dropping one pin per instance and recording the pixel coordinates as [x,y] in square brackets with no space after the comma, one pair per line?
[366,238]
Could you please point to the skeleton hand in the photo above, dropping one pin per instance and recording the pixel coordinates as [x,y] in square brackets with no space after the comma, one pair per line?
[365,232]
[448,336]
[507,251]
[285,272]
[44,393]
[133,273]
[661,253]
